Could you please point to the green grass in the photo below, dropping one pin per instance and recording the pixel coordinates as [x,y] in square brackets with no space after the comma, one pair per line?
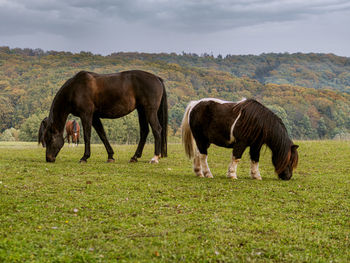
[109,212]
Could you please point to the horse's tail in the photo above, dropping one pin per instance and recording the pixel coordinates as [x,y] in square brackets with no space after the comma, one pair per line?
[187,136]
[163,120]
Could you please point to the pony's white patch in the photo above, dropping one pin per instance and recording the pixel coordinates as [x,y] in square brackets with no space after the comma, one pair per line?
[254,170]
[205,167]
[232,168]
[243,99]
[193,103]
[75,134]
[232,138]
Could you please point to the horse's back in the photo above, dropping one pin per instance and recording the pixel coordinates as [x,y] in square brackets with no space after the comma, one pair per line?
[116,95]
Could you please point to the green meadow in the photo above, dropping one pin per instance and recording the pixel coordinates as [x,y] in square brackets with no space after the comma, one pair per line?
[141,212]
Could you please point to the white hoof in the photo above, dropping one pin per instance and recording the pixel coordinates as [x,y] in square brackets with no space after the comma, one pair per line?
[232,175]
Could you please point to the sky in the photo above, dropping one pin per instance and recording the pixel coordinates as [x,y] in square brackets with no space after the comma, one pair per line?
[215,27]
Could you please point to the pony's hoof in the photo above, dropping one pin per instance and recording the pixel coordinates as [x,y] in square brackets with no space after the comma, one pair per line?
[133,160]
[256,176]
[110,161]
[155,159]
[199,174]
[209,175]
[82,161]
[232,176]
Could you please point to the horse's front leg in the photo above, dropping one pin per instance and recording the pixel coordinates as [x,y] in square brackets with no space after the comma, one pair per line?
[86,121]
[254,165]
[96,122]
[237,152]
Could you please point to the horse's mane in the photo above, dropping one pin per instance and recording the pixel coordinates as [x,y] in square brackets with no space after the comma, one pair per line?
[57,96]
[261,126]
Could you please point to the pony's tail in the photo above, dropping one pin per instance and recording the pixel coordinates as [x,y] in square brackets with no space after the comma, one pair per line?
[187,136]
[163,120]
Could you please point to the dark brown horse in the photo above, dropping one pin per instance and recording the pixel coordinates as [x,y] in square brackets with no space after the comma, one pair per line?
[237,125]
[73,132]
[92,96]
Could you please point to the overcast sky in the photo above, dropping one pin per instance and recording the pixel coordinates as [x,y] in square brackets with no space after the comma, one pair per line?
[208,26]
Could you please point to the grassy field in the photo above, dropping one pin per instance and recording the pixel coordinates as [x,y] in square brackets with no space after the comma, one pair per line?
[117,212]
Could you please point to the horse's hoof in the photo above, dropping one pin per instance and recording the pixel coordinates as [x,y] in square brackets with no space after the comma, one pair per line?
[133,160]
[155,159]
[110,161]
[82,161]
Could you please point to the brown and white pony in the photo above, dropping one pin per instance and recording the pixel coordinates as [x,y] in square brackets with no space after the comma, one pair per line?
[237,125]
[73,131]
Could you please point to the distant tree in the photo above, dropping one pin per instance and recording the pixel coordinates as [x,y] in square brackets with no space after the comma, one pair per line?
[321,128]
[29,129]
[9,135]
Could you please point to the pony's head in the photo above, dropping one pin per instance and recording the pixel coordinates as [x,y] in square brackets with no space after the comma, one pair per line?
[54,142]
[41,132]
[285,172]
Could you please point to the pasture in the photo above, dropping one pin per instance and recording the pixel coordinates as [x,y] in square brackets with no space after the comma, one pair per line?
[138,212]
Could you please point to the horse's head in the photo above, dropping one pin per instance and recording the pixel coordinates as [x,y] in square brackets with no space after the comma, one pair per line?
[54,142]
[292,162]
[41,132]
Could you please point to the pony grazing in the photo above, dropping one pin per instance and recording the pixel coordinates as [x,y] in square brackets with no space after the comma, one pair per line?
[237,125]
[73,131]
[92,96]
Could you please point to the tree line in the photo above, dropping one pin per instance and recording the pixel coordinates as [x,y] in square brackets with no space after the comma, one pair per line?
[310,92]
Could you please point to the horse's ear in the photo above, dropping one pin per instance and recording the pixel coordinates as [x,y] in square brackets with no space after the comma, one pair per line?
[294,147]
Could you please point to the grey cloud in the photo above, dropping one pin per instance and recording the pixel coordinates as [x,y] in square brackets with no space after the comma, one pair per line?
[76,17]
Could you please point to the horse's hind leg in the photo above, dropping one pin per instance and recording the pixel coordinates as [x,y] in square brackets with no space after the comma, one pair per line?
[203,158]
[144,130]
[197,164]
[156,130]
[97,124]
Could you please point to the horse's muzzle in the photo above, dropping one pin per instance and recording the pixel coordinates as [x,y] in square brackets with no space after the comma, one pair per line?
[50,159]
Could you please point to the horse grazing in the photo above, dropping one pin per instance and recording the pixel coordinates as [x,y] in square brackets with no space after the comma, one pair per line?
[92,96]
[237,125]
[73,131]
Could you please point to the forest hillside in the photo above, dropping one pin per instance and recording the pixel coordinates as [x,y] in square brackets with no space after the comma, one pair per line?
[310,92]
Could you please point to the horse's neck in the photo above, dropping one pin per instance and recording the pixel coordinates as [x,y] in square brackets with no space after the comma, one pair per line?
[59,115]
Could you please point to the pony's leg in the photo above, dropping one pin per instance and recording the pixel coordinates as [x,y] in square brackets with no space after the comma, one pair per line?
[97,124]
[86,121]
[232,169]
[204,164]
[254,165]
[156,130]
[197,164]
[144,130]
[237,152]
